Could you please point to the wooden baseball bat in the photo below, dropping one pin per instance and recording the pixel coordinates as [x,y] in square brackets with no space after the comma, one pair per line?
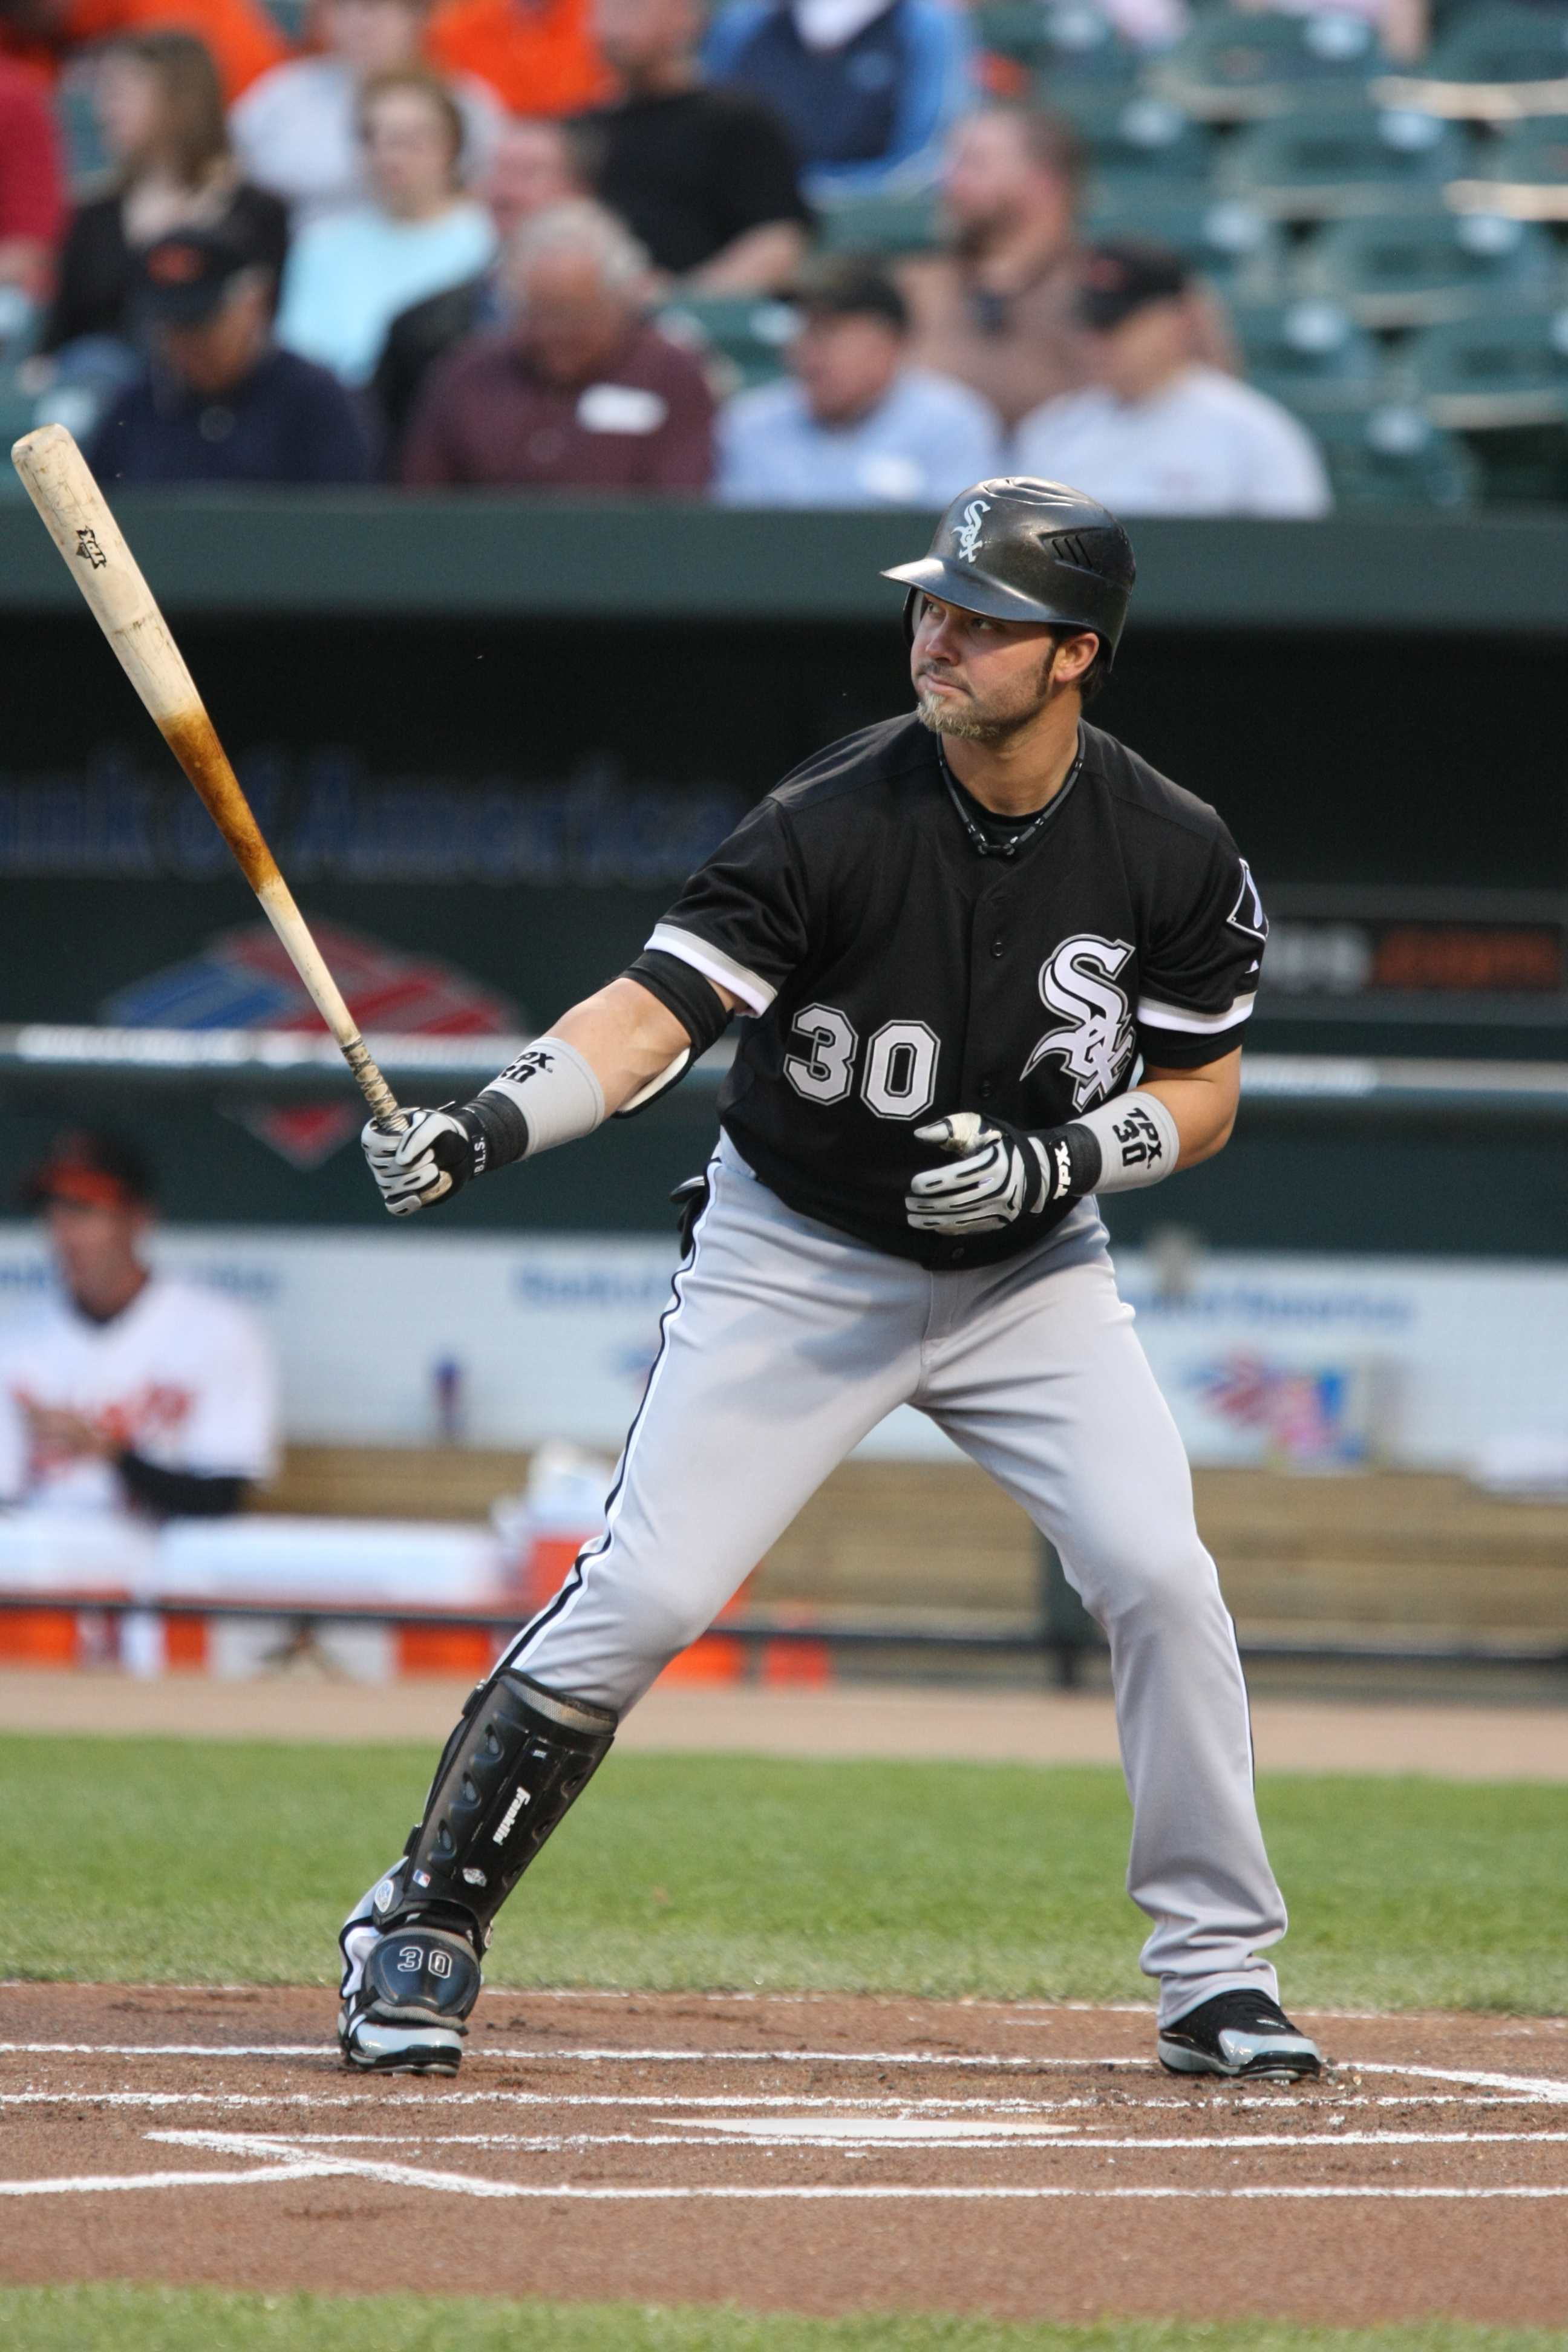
[60,484]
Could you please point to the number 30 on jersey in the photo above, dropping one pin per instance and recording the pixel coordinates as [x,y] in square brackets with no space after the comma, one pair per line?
[898,1080]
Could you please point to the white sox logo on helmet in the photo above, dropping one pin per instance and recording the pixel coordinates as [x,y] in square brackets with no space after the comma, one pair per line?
[969,530]
[1098,1042]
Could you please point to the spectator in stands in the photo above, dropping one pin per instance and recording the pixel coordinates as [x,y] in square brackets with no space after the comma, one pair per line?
[538,55]
[1155,431]
[858,427]
[297,131]
[32,196]
[705,178]
[581,393]
[129,1390]
[995,308]
[160,115]
[350,275]
[241,36]
[221,403]
[867,88]
[535,167]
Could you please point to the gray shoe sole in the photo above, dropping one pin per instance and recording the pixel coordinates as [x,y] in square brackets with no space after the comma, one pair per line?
[1259,2059]
[373,2047]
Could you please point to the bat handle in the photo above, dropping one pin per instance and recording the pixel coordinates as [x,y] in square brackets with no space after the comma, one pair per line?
[379,1095]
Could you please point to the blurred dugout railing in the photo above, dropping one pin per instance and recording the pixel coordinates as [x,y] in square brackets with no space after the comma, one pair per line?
[789,1644]
[38,1055]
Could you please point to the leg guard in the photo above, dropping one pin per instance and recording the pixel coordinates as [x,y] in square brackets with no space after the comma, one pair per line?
[516,1761]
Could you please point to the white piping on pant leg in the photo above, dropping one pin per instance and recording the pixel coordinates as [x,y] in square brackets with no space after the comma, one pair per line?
[559,1606]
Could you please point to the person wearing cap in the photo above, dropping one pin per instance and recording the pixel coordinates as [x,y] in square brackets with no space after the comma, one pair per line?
[855,425]
[221,403]
[127,1390]
[991,966]
[1157,431]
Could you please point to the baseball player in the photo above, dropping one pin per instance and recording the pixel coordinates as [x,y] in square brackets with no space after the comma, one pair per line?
[987,963]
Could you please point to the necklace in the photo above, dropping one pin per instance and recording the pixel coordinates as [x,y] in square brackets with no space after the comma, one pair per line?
[982,846]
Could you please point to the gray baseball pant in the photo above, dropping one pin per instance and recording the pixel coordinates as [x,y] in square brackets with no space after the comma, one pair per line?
[783,1345]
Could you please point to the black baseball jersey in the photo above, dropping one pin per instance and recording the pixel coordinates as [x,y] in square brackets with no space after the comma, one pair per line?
[894,974]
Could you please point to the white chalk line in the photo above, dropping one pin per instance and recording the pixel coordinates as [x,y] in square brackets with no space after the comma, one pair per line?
[1551,2087]
[893,2132]
[1542,2086]
[395,2098]
[278,2161]
[578,2057]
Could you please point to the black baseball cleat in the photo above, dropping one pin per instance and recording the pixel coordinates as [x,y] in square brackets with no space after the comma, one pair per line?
[405,2015]
[1239,2033]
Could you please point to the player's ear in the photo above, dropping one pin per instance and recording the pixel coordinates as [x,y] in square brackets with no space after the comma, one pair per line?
[1075,656]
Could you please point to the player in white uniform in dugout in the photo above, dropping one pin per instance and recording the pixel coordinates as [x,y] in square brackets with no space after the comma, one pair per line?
[988,963]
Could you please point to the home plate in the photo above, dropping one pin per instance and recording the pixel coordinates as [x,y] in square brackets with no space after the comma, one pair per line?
[901,2131]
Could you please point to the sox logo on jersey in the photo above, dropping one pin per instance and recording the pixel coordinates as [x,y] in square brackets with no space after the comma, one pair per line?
[1096,1042]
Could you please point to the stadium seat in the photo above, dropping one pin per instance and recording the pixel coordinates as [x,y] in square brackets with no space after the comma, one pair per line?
[1501,45]
[1233,68]
[885,225]
[1139,138]
[1295,348]
[1229,241]
[746,333]
[1493,374]
[1080,48]
[1529,155]
[1323,162]
[1390,454]
[1418,272]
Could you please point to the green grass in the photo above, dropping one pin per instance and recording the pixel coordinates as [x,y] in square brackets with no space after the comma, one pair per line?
[185,1862]
[163,2320]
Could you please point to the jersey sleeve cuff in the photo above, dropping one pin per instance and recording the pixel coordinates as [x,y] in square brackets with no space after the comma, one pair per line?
[1168,1049]
[754,993]
[1159,1013]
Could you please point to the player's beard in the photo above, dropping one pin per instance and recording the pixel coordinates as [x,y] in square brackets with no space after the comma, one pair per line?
[974,720]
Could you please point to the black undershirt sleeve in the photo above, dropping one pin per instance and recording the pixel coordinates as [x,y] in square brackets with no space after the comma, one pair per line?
[179,1494]
[694,1000]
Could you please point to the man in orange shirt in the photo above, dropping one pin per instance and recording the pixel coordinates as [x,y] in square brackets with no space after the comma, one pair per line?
[538,54]
[242,37]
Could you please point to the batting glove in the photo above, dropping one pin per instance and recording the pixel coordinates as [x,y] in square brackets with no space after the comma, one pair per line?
[431,1160]
[997,1174]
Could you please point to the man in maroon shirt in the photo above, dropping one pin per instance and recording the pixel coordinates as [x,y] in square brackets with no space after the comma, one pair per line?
[580,392]
[32,193]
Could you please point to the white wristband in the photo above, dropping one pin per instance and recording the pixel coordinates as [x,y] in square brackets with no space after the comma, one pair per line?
[1138,1141]
[555,1090]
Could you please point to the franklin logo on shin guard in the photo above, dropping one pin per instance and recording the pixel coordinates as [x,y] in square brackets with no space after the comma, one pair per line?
[508,1817]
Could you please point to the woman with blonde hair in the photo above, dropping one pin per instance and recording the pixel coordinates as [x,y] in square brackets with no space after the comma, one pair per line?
[350,275]
[161,119]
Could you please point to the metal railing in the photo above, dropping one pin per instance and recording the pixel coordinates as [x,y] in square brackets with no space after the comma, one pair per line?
[1063,1637]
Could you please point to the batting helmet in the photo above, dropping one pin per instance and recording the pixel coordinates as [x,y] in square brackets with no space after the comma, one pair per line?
[1020,550]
